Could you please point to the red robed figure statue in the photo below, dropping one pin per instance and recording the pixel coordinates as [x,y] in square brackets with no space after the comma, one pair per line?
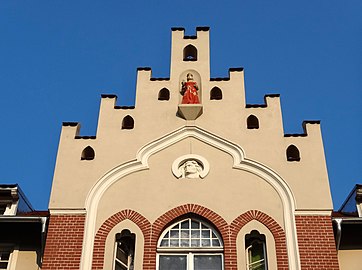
[189,91]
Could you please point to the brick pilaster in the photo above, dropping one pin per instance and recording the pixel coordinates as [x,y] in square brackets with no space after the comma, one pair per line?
[63,247]
[317,248]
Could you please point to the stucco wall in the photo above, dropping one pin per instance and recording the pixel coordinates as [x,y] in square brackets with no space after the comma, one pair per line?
[350,259]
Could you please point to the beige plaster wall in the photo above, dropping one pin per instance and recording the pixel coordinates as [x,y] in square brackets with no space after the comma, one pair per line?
[350,259]
[226,191]
[26,260]
[225,118]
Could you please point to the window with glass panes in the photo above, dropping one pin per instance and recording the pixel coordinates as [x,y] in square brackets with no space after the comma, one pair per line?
[124,250]
[190,244]
[255,251]
[4,257]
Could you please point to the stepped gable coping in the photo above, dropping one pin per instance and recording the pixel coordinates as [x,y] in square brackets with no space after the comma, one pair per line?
[198,29]
[304,134]
[70,124]
[85,137]
[262,105]
[235,69]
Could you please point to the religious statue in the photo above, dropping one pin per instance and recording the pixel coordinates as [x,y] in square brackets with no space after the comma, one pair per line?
[191,169]
[189,90]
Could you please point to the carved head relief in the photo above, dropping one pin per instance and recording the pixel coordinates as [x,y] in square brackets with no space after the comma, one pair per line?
[190,166]
[190,169]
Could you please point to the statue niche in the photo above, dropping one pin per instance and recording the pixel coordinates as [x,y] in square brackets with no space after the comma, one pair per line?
[190,106]
[189,90]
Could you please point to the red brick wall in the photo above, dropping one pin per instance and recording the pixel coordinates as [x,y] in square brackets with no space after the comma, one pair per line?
[317,248]
[63,246]
[65,236]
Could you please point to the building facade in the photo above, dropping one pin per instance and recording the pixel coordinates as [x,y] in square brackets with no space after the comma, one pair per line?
[191,177]
[22,234]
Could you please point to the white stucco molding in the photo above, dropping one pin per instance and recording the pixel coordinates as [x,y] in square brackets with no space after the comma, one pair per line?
[75,211]
[240,162]
[316,212]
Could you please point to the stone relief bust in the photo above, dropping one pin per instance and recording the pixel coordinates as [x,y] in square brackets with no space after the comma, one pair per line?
[190,166]
[191,169]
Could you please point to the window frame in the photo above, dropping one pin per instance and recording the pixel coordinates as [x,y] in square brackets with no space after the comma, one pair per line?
[256,236]
[190,252]
[189,258]
[130,256]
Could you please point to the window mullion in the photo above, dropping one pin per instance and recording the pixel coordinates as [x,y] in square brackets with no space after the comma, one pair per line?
[190,260]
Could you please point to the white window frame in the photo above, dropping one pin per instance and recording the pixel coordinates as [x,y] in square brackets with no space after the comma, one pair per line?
[189,257]
[117,260]
[264,260]
[129,258]
[190,252]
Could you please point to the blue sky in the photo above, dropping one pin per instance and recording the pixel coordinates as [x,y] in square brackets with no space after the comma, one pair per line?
[58,57]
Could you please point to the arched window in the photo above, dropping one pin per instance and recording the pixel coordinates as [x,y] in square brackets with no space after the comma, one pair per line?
[124,250]
[215,93]
[190,53]
[255,250]
[293,153]
[164,94]
[252,122]
[128,122]
[190,244]
[87,153]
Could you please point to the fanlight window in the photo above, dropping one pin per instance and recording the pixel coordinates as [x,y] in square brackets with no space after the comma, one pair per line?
[190,244]
[190,233]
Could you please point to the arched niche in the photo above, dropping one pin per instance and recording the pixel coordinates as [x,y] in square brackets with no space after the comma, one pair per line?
[87,153]
[293,153]
[190,53]
[196,78]
[164,94]
[215,93]
[252,122]
[128,122]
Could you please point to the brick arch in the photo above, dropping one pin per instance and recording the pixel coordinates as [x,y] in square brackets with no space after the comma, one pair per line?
[108,225]
[159,225]
[276,230]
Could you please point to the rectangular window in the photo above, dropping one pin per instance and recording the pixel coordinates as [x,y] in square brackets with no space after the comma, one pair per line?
[173,262]
[4,257]
[207,262]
